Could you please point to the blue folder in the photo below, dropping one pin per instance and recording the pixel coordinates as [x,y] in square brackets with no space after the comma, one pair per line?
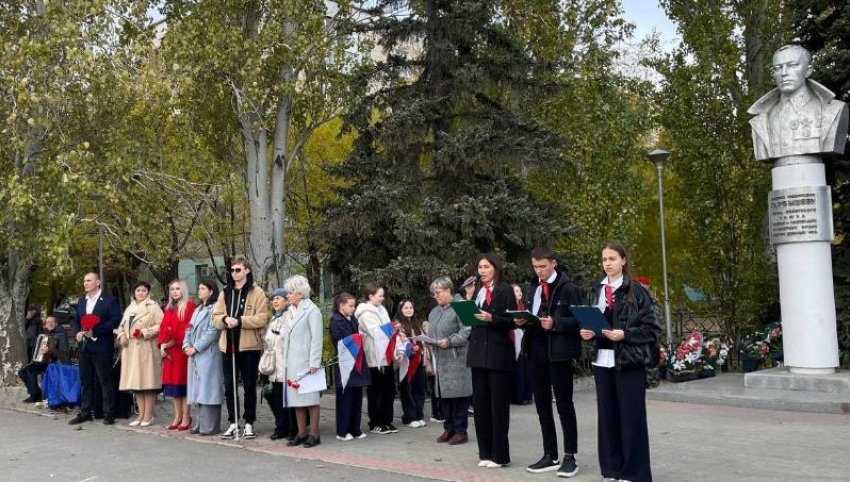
[590,318]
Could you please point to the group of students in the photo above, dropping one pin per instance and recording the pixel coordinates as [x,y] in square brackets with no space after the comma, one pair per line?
[193,353]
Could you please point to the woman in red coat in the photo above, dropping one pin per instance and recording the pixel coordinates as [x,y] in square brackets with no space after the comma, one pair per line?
[175,363]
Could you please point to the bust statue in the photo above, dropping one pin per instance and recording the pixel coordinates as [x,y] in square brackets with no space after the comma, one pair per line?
[799,116]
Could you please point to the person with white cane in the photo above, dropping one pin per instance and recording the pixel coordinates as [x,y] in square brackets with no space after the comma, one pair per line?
[241,312]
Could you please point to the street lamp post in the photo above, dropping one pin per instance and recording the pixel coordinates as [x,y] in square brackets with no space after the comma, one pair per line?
[658,157]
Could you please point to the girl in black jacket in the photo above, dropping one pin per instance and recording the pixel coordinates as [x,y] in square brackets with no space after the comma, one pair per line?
[349,400]
[620,359]
[491,357]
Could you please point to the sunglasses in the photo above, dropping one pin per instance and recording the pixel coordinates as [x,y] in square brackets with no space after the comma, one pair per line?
[235,270]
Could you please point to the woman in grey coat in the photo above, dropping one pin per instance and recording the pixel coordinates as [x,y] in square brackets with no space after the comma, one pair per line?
[204,387]
[453,378]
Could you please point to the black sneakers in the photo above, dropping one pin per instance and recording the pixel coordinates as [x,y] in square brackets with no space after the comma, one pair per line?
[568,467]
[546,464]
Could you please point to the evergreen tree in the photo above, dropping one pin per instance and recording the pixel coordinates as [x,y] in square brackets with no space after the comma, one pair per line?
[432,176]
[823,27]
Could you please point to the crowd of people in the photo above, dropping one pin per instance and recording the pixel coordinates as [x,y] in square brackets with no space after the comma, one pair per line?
[198,353]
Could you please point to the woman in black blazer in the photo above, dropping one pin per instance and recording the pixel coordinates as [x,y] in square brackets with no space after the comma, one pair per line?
[491,357]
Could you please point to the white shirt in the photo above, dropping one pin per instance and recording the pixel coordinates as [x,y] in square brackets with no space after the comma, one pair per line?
[538,293]
[91,301]
[606,358]
[482,296]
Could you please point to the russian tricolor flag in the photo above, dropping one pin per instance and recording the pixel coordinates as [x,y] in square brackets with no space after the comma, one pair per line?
[350,355]
[409,362]
[385,338]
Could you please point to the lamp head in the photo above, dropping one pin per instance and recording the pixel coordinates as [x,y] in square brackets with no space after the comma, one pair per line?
[658,156]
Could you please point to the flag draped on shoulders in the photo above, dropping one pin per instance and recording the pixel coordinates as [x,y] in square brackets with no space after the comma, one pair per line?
[350,350]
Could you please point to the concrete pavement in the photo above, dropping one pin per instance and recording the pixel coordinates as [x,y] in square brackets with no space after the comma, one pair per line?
[690,442]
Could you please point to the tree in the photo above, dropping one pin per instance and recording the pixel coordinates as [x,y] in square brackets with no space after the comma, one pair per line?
[717,191]
[432,179]
[275,70]
[823,27]
[51,51]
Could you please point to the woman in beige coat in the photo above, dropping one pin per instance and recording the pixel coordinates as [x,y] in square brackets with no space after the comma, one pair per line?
[141,362]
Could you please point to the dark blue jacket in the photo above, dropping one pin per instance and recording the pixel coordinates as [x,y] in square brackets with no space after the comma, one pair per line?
[110,316]
[340,327]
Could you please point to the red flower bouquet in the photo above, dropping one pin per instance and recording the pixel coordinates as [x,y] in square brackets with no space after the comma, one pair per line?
[88,322]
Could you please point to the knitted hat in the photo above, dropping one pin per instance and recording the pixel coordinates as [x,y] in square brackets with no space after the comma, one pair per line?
[279,292]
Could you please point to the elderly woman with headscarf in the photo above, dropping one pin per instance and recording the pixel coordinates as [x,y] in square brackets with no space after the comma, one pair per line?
[274,342]
[302,341]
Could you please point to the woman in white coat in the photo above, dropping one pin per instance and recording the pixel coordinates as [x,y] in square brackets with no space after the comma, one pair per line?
[302,344]
[380,395]
[274,342]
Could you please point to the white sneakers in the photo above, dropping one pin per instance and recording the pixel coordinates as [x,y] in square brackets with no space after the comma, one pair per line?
[490,464]
[416,424]
[249,431]
[347,438]
[484,463]
[231,431]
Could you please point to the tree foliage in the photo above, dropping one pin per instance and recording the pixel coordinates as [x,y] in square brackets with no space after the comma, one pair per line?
[433,175]
[823,27]
[717,190]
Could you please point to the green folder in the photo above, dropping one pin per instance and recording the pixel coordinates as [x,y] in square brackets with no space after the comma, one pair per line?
[466,311]
[525,315]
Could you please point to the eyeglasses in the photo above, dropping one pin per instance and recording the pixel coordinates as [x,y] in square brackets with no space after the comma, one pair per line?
[235,270]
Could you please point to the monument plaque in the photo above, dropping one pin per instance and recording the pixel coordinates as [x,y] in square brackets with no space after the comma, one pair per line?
[800,214]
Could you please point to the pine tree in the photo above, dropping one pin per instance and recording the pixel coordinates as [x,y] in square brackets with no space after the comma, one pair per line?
[823,27]
[433,175]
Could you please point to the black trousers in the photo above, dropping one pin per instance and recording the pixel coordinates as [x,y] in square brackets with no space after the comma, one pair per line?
[546,377]
[622,426]
[436,406]
[284,418]
[380,396]
[247,364]
[29,374]
[492,403]
[413,396]
[349,411]
[523,387]
[455,411]
[96,369]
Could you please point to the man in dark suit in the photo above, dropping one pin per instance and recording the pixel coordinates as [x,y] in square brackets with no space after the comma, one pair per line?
[550,349]
[96,349]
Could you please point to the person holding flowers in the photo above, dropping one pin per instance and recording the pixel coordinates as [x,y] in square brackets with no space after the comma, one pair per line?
[141,363]
[98,314]
[178,314]
[302,341]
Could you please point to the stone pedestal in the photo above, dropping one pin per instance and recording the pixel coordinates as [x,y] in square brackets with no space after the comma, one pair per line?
[801,230]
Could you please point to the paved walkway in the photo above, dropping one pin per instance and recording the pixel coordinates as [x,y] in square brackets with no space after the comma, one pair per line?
[689,443]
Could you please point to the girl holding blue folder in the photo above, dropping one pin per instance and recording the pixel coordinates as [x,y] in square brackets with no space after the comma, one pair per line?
[620,358]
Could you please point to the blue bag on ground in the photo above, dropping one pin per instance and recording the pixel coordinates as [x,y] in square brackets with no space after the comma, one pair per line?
[61,385]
